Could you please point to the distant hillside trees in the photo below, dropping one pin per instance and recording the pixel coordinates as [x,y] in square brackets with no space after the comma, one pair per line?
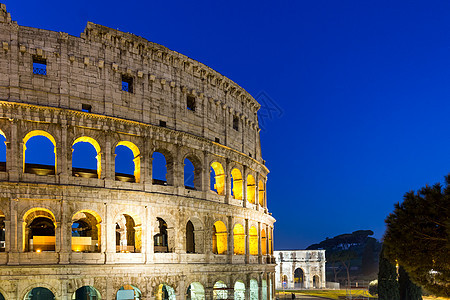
[350,254]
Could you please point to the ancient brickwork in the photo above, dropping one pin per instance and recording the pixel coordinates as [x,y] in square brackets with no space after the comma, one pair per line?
[67,227]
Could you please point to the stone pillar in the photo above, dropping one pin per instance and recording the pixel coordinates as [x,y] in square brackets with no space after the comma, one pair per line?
[13,153]
[230,242]
[206,175]
[257,191]
[178,178]
[149,233]
[260,257]
[247,242]
[15,239]
[58,233]
[109,161]
[267,243]
[244,187]
[66,234]
[227,181]
[7,236]
[110,236]
[64,165]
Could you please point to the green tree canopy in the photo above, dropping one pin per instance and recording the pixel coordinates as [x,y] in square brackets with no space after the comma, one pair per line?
[417,237]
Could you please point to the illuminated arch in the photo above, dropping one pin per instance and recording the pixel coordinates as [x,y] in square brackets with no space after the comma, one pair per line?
[165,292]
[254,289]
[161,237]
[219,178]
[91,291]
[219,238]
[239,290]
[128,229]
[237,183]
[136,159]
[251,189]
[269,234]
[35,133]
[261,193]
[40,291]
[192,164]
[263,242]
[97,148]
[239,239]
[128,291]
[316,281]
[220,290]
[3,151]
[195,291]
[86,237]
[253,240]
[44,236]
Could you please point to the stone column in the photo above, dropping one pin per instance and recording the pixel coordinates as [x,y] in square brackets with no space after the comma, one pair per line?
[149,232]
[15,239]
[110,236]
[109,161]
[260,257]
[13,153]
[244,187]
[247,242]
[257,191]
[66,234]
[206,175]
[230,242]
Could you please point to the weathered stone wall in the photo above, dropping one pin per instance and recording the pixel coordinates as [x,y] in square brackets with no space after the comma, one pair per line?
[88,70]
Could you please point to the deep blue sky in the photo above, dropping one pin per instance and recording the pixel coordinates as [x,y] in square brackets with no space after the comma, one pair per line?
[363,88]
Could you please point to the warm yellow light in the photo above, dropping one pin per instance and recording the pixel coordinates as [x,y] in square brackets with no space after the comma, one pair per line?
[38,250]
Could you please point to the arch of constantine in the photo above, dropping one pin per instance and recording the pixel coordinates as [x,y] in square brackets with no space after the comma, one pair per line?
[127,171]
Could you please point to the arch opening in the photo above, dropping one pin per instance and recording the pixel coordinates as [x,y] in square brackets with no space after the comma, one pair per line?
[2,152]
[189,174]
[220,290]
[86,158]
[239,290]
[217,178]
[299,278]
[39,230]
[219,238]
[195,291]
[39,153]
[190,238]
[236,184]
[251,189]
[159,168]
[161,238]
[254,289]
[253,240]
[263,242]
[86,292]
[239,239]
[1,297]
[39,293]
[261,193]
[86,232]
[127,162]
[165,292]
[128,235]
[316,282]
[264,289]
[284,281]
[2,233]
[128,292]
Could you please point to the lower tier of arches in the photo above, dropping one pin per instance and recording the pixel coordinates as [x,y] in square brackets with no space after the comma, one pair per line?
[143,282]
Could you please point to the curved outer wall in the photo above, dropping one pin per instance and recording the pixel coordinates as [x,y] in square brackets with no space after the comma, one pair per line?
[89,70]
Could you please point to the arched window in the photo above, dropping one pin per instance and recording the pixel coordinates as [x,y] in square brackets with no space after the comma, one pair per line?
[2,232]
[219,238]
[165,292]
[284,282]
[262,193]
[316,282]
[195,291]
[263,242]
[269,233]
[86,232]
[161,237]
[220,290]
[40,293]
[253,239]
[39,152]
[253,289]
[236,184]
[1,297]
[239,239]
[159,168]
[86,293]
[86,158]
[190,240]
[128,292]
[192,173]
[299,278]
[128,162]
[239,290]
[217,177]
[129,233]
[2,151]
[251,189]
[39,232]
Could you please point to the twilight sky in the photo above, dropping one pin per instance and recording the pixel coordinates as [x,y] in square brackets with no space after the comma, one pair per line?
[356,93]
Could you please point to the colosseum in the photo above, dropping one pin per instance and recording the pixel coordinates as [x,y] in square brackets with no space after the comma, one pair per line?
[128,171]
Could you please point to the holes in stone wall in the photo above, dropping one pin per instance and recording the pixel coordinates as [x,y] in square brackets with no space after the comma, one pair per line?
[86,108]
[236,184]
[161,242]
[189,174]
[236,123]
[217,178]
[39,66]
[127,84]
[2,152]
[128,235]
[190,103]
[39,149]
[86,232]
[239,239]
[127,162]
[190,239]
[86,160]
[159,168]
[219,238]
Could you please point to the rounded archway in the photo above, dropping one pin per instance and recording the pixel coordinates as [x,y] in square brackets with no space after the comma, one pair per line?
[299,278]
[127,162]
[86,158]
[165,292]
[284,281]
[239,290]
[86,232]
[128,234]
[39,153]
[264,289]
[219,238]
[161,238]
[195,291]
[217,178]
[40,293]
[220,290]
[316,282]
[239,239]
[39,230]
[236,184]
[263,242]
[86,292]
[251,189]
[253,289]
[128,292]
[253,239]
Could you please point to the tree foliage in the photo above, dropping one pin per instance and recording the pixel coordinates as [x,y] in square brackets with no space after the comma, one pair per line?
[387,280]
[408,290]
[417,237]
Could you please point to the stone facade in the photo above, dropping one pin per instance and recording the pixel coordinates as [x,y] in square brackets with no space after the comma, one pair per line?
[300,269]
[109,88]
